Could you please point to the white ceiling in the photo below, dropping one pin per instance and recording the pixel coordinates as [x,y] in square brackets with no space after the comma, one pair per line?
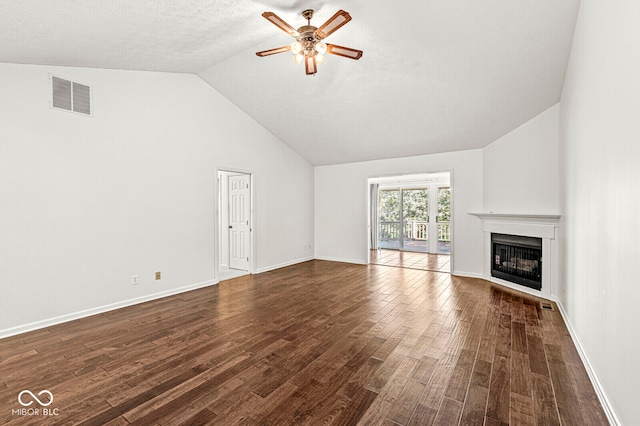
[435,76]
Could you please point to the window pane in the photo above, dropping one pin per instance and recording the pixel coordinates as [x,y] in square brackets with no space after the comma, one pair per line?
[415,204]
[389,205]
[389,218]
[444,220]
[415,214]
[444,204]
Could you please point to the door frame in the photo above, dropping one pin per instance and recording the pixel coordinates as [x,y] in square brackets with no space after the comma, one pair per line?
[218,233]
[368,183]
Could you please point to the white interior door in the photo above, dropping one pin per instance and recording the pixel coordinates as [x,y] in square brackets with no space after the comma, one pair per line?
[239,221]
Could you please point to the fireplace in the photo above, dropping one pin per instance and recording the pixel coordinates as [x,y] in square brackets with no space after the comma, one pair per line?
[517,259]
[540,226]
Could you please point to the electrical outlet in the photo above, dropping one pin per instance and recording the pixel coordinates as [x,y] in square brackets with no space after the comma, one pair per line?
[158,275]
[135,280]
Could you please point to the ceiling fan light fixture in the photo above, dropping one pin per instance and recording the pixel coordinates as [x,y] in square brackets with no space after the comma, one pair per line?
[296,47]
[321,47]
[309,46]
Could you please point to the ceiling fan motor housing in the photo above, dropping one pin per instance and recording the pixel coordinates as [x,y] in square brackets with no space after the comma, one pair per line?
[308,39]
[307,32]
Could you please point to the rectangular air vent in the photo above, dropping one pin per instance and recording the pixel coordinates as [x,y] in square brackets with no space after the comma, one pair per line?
[546,306]
[70,96]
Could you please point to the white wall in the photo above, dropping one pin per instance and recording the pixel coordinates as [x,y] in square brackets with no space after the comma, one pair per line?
[600,164]
[341,193]
[88,202]
[521,172]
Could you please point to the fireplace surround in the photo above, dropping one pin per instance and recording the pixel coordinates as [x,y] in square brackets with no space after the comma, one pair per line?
[542,227]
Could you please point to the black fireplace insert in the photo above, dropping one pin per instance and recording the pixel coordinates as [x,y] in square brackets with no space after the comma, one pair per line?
[518,259]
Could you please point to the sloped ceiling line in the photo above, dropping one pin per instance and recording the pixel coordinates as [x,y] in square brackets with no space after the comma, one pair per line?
[435,76]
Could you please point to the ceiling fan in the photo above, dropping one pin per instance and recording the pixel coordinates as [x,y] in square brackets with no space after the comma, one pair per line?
[309,46]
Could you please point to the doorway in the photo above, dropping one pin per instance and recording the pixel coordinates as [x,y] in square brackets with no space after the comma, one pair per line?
[235,228]
[411,221]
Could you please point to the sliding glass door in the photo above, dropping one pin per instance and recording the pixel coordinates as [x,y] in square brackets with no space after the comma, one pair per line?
[403,219]
[444,220]
[415,218]
[389,218]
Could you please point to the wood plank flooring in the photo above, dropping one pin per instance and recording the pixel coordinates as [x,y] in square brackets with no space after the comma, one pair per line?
[317,343]
[411,260]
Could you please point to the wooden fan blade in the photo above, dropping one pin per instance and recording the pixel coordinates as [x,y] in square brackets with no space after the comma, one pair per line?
[336,21]
[274,51]
[310,65]
[347,52]
[278,22]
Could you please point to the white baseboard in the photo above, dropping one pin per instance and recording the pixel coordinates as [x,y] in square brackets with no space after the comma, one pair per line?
[498,281]
[467,274]
[282,265]
[106,308]
[342,260]
[520,288]
[100,309]
[606,405]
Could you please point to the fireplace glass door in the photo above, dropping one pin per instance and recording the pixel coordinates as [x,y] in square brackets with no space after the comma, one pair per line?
[517,259]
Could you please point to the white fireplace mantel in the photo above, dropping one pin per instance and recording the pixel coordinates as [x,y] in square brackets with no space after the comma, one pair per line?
[530,225]
[519,217]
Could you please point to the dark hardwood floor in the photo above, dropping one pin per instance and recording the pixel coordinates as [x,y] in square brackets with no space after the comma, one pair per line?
[411,260]
[315,343]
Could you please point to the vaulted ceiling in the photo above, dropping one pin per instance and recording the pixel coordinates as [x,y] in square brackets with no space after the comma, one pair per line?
[436,76]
